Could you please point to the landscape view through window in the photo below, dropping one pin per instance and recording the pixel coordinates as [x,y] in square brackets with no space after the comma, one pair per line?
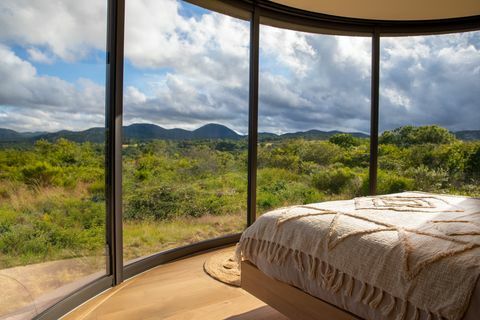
[186,124]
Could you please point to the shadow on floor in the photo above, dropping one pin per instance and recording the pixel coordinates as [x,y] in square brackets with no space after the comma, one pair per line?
[262,313]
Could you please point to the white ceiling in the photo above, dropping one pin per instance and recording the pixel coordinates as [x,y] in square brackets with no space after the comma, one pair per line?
[390,9]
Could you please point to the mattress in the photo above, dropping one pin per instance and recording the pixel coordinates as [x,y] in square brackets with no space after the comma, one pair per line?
[257,243]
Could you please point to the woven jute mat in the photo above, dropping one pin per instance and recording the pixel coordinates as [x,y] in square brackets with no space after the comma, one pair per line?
[223,267]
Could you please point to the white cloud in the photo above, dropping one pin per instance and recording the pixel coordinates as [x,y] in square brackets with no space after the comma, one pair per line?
[288,49]
[37,55]
[431,80]
[133,96]
[67,29]
[206,61]
[326,88]
[157,35]
[29,101]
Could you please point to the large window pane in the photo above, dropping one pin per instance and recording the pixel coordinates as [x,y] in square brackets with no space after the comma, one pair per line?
[186,120]
[314,117]
[430,114]
[52,203]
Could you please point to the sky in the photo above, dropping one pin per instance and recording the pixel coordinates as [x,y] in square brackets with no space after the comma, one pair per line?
[186,67]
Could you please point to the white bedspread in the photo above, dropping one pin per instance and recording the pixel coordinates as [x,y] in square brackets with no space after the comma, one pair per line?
[410,253]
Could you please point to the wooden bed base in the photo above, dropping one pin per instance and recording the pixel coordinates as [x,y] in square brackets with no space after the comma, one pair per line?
[292,302]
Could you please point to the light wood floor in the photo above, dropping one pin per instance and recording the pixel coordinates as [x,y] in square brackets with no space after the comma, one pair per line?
[178,290]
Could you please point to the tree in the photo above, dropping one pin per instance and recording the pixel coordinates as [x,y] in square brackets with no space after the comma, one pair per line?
[472,167]
[409,135]
[344,140]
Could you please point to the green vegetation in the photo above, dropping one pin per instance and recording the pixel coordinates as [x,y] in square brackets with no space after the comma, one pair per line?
[52,203]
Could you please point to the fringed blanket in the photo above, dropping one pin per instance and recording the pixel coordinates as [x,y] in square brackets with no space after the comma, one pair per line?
[412,252]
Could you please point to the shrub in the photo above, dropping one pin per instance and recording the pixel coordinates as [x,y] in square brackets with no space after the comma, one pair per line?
[97,190]
[333,180]
[426,179]
[280,187]
[320,152]
[40,174]
[356,157]
[160,202]
[409,135]
[472,166]
[389,182]
[344,140]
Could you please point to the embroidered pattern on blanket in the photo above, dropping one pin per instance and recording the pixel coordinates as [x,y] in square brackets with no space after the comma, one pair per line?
[406,204]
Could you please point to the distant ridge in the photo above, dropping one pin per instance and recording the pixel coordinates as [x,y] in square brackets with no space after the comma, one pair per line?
[137,131]
[148,131]
[10,135]
[321,135]
[468,135]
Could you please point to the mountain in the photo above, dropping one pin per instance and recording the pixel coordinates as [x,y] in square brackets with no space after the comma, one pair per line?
[96,135]
[144,131]
[138,131]
[10,135]
[468,135]
[215,131]
[321,135]
[310,134]
[148,131]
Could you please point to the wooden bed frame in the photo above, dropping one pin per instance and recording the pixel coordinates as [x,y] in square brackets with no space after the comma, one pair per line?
[292,302]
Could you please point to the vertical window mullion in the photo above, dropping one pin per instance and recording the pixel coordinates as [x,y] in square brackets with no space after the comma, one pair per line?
[114,114]
[374,112]
[253,116]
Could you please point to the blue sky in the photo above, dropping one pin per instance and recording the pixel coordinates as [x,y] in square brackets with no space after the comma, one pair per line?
[186,66]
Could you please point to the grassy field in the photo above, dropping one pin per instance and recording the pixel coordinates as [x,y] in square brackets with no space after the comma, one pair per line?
[52,203]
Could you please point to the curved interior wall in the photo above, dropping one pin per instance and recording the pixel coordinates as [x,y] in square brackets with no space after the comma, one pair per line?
[70,213]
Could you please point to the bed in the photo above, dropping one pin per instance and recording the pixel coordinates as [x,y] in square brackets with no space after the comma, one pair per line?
[409,255]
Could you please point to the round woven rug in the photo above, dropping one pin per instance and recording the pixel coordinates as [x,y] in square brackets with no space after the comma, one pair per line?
[223,267]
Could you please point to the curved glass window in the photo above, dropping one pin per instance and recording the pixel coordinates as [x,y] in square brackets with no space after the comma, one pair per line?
[429,114]
[185,130]
[185,125]
[314,117]
[52,114]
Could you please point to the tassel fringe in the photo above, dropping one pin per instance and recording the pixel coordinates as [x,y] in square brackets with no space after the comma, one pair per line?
[387,309]
[369,296]
[349,286]
[403,311]
[329,277]
[416,314]
[378,299]
[362,292]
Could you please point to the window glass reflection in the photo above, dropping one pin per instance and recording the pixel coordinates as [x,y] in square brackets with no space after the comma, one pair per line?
[314,117]
[52,105]
[186,120]
[429,114]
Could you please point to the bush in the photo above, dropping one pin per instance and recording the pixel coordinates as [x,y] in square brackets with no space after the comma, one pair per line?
[160,202]
[426,179]
[280,187]
[319,152]
[344,140]
[36,238]
[472,166]
[40,174]
[389,182]
[333,180]
[410,135]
